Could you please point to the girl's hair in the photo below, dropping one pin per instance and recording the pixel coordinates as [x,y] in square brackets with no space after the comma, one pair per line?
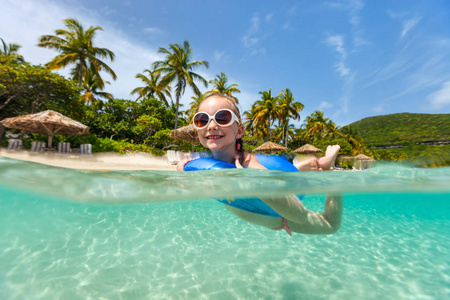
[230,100]
[235,109]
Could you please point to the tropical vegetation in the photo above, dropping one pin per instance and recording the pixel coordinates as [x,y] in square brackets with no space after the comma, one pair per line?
[178,68]
[11,50]
[76,46]
[145,123]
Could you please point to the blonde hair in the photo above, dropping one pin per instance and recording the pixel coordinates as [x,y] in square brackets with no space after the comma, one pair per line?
[230,101]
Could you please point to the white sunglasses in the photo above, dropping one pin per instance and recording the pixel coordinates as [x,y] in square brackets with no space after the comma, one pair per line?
[222,117]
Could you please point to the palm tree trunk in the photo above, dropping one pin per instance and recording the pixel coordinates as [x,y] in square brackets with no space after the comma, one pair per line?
[176,112]
[286,132]
[177,105]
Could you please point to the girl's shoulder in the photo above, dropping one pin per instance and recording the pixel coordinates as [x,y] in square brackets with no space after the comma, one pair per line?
[250,161]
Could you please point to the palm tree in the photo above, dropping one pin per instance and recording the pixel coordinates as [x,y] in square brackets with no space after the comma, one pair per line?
[288,108]
[178,68]
[316,124]
[332,129]
[249,115]
[93,87]
[265,111]
[76,47]
[194,105]
[353,138]
[153,87]
[11,50]
[220,86]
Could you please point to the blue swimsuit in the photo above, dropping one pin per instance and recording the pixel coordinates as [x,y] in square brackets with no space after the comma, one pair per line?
[253,205]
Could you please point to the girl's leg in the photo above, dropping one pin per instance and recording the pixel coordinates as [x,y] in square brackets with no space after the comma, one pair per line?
[328,222]
[257,219]
[325,163]
[309,164]
[300,219]
[290,207]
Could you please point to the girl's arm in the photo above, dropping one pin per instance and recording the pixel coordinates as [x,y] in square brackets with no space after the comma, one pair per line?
[181,163]
[250,161]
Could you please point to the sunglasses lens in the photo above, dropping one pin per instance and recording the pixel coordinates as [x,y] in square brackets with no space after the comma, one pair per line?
[201,120]
[223,117]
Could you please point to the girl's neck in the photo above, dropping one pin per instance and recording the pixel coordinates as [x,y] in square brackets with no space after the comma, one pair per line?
[228,156]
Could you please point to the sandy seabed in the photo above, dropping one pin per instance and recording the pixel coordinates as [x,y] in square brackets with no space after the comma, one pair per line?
[97,161]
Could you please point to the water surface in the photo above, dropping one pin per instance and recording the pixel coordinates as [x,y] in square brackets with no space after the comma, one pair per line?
[70,234]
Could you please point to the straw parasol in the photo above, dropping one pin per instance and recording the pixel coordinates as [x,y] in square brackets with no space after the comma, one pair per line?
[363,157]
[364,161]
[307,149]
[270,147]
[47,122]
[186,133]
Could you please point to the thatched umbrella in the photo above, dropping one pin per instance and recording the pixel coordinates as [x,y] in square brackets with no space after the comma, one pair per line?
[364,161]
[186,133]
[270,147]
[307,149]
[46,122]
[363,157]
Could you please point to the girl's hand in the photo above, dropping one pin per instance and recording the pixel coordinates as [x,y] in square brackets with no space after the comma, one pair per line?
[181,163]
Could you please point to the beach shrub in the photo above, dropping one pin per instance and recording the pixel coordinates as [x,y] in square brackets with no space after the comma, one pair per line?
[107,145]
[128,120]
[25,88]
[417,155]
[162,139]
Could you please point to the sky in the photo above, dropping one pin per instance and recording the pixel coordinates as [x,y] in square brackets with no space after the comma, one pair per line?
[351,59]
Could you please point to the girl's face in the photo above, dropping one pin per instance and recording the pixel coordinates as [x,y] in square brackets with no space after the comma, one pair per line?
[213,136]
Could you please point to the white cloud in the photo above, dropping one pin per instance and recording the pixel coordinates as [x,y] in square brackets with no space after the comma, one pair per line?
[324,105]
[261,51]
[218,55]
[353,8]
[342,69]
[249,42]
[108,11]
[337,41]
[414,71]
[255,24]
[250,39]
[153,30]
[440,98]
[23,22]
[378,109]
[396,15]
[408,25]
[291,11]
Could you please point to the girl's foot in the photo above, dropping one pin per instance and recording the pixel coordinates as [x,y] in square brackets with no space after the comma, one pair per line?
[326,163]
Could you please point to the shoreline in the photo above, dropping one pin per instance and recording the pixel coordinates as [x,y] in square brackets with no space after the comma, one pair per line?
[104,161]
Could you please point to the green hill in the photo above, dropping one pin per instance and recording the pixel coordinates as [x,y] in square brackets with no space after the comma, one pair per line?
[403,128]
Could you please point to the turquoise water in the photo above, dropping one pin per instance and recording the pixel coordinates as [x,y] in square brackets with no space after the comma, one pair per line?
[69,234]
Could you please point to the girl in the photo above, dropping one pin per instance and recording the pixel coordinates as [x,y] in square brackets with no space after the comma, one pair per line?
[220,129]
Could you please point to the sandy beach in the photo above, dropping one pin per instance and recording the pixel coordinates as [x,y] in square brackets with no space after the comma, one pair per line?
[98,161]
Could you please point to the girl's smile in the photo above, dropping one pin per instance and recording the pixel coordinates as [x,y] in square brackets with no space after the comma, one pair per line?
[214,137]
